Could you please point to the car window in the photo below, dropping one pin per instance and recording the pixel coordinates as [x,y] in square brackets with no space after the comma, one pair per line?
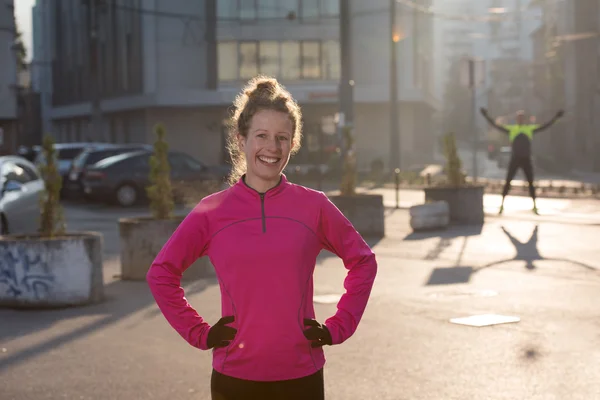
[14,172]
[69,153]
[137,163]
[184,162]
[81,158]
[32,173]
[96,156]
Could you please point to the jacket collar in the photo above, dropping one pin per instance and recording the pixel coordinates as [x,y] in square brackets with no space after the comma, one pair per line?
[241,186]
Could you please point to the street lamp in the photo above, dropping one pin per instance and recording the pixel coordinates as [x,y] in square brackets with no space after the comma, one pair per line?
[394,125]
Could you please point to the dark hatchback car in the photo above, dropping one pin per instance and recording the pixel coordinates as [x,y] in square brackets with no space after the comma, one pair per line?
[123,179]
[73,182]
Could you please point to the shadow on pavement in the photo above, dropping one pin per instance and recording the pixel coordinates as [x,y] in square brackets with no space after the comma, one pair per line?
[526,251]
[445,238]
[123,298]
[529,253]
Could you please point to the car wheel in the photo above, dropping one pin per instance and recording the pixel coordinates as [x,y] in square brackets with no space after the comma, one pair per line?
[126,195]
[3,225]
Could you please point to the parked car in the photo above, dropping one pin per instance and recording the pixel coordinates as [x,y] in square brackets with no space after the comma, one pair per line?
[28,153]
[123,178]
[65,153]
[22,188]
[91,155]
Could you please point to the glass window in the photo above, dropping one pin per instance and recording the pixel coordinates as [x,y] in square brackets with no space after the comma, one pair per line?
[69,153]
[247,9]
[267,8]
[14,172]
[269,58]
[227,9]
[182,162]
[330,8]
[191,163]
[80,160]
[97,156]
[290,60]
[311,66]
[32,174]
[287,6]
[136,163]
[310,9]
[227,61]
[249,60]
[331,59]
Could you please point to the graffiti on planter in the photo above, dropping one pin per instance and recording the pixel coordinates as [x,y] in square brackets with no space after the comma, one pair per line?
[24,274]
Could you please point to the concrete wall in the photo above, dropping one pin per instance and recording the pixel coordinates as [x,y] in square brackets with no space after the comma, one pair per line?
[51,272]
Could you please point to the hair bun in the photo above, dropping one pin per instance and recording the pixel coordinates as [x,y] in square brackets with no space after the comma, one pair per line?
[265,88]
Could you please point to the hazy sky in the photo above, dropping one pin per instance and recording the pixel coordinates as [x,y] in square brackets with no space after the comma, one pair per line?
[23,15]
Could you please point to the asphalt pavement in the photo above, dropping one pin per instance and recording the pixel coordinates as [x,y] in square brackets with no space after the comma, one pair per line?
[542,270]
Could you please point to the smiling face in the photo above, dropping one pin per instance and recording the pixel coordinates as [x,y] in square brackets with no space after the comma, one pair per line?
[267,148]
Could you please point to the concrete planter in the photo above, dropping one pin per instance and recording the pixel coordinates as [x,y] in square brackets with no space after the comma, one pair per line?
[42,272]
[466,203]
[141,241]
[365,212]
[435,215]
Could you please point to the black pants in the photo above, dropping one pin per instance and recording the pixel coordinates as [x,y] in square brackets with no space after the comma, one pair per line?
[223,387]
[525,164]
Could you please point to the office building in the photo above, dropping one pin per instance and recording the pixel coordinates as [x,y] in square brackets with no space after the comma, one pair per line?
[181,63]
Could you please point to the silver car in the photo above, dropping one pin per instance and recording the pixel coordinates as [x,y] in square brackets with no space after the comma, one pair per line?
[21,189]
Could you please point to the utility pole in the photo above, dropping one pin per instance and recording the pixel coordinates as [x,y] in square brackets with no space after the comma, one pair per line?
[394,117]
[346,89]
[474,133]
[93,16]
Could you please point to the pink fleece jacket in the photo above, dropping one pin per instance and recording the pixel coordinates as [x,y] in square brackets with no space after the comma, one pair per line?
[264,249]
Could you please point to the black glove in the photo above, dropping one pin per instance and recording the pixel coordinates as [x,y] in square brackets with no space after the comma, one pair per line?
[221,335]
[317,333]
[560,114]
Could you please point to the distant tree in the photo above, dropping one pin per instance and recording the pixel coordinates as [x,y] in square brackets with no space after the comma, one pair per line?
[20,49]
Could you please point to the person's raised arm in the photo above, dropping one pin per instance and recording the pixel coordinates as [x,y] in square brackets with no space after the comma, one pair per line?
[491,121]
[339,236]
[188,243]
[548,124]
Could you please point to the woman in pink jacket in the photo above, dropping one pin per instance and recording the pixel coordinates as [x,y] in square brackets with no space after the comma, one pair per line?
[263,236]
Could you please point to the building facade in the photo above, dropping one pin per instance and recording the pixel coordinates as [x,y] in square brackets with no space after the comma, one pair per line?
[41,61]
[8,79]
[568,77]
[181,63]
[497,32]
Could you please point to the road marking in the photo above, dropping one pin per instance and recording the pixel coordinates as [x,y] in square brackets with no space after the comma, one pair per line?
[327,298]
[465,293]
[485,320]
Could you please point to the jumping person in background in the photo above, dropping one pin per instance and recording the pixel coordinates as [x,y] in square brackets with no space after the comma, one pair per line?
[520,136]
[263,235]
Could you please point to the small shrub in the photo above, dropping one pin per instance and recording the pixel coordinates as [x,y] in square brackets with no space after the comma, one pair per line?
[160,191]
[454,172]
[51,214]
